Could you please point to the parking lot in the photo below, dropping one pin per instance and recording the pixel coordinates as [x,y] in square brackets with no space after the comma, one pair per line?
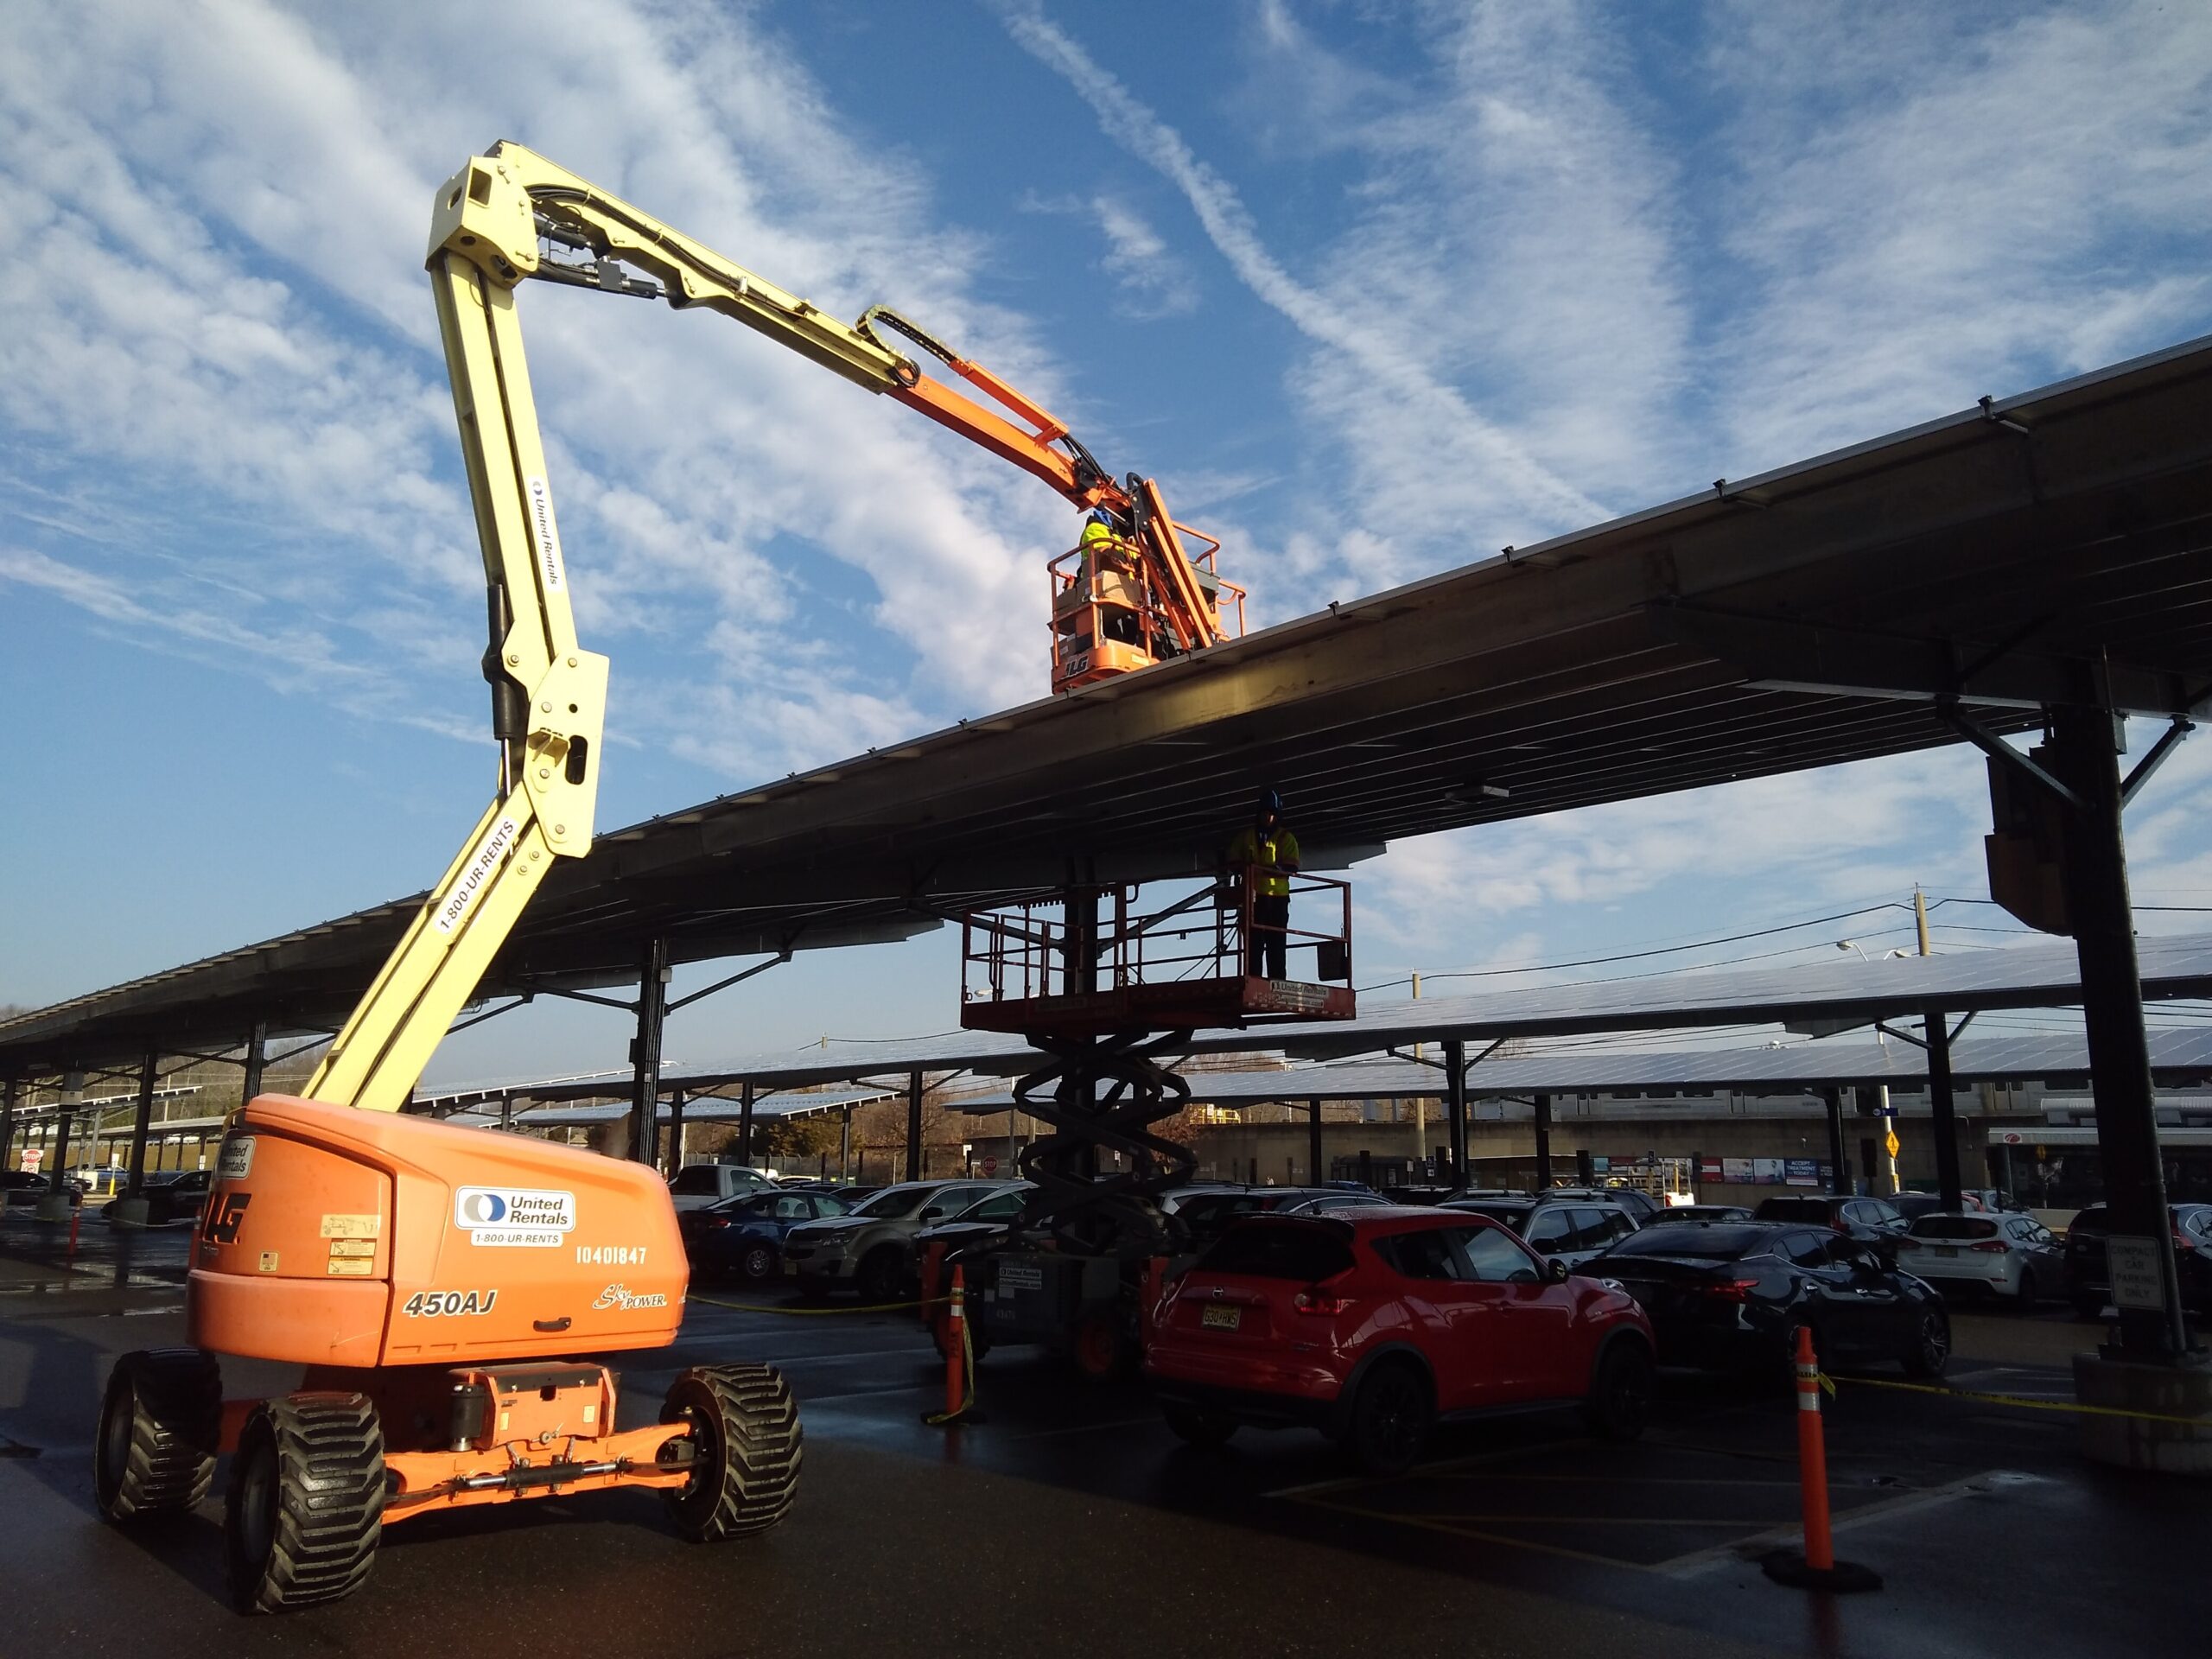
[1072,1519]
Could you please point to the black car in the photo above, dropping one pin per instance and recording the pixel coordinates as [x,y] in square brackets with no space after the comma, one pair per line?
[1730,1296]
[1640,1204]
[1207,1215]
[2090,1285]
[173,1195]
[22,1188]
[1875,1223]
[744,1234]
[1563,1225]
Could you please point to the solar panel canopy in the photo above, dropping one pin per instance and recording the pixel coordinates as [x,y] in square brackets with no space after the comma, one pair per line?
[2050,546]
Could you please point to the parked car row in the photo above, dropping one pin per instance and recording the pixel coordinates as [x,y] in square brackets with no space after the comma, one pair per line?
[1373,1323]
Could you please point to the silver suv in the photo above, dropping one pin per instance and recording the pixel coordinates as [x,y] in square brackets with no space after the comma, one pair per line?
[872,1249]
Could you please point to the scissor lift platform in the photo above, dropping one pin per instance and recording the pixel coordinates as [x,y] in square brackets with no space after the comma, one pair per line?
[1097,961]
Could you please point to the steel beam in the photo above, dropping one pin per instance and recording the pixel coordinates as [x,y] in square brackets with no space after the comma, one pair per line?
[257,1052]
[149,1074]
[1314,1171]
[914,1126]
[10,1092]
[1942,1108]
[675,1164]
[2082,741]
[645,1052]
[1839,1165]
[1542,1104]
[1455,1107]
[745,1124]
[1782,654]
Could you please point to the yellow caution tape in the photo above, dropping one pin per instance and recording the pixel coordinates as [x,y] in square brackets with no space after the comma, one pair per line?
[2023,1404]
[819,1313]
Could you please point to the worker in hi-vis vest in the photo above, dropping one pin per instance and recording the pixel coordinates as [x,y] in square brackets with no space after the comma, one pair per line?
[1265,854]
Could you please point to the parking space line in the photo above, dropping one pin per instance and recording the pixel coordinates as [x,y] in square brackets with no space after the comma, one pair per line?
[1862,1515]
[1086,1428]
[1427,1525]
[1473,1460]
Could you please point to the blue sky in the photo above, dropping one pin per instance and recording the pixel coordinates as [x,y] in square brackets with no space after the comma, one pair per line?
[1374,290]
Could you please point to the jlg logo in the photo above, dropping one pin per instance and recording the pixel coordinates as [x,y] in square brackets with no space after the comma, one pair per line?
[223,1222]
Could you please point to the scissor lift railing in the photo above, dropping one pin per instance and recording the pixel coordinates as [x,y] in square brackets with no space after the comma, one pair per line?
[1104,960]
[1108,984]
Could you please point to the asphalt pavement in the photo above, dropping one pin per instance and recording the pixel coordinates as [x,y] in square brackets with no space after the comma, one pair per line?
[1071,1521]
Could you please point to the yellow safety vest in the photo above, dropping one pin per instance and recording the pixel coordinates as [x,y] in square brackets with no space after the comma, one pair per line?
[1267,852]
[1094,534]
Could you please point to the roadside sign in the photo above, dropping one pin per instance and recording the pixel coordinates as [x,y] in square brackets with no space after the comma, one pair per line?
[990,1166]
[1890,1143]
[33,1157]
[2133,1263]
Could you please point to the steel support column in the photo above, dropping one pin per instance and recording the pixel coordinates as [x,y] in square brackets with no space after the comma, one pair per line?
[845,1144]
[2084,744]
[141,1122]
[645,1052]
[675,1131]
[914,1126]
[745,1124]
[1542,1104]
[10,1094]
[1455,1107]
[257,1054]
[1839,1165]
[1313,1176]
[1937,1028]
[1080,949]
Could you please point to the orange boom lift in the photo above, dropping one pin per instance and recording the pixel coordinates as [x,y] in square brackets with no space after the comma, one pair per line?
[435,1283]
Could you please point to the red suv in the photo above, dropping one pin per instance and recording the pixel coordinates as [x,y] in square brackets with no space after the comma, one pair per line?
[1370,1324]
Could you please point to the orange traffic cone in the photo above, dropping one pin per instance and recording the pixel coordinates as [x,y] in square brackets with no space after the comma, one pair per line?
[1814,1568]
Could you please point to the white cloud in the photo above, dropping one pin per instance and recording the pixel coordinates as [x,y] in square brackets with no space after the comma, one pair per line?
[1933,203]
[1373,372]
[215,294]
[1153,281]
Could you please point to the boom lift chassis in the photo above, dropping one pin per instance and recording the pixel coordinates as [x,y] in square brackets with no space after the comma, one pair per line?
[431,1280]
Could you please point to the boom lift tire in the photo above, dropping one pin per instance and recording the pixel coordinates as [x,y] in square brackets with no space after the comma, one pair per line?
[746,1447]
[306,1504]
[160,1423]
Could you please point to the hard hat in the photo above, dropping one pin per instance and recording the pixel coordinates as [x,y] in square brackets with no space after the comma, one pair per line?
[1099,516]
[1270,804]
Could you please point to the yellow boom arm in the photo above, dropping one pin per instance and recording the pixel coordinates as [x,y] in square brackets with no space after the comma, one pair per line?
[501,219]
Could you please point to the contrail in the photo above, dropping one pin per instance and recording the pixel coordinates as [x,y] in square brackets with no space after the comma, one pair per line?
[1230,226]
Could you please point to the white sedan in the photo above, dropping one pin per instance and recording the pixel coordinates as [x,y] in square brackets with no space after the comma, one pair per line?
[2014,1256]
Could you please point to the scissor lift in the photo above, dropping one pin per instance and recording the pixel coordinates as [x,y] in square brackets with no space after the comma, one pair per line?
[1108,984]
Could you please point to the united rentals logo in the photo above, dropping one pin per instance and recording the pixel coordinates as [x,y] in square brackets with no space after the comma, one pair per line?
[514,1217]
[548,539]
[497,842]
[620,1296]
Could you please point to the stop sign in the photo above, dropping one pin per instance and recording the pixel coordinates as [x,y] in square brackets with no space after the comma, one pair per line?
[990,1166]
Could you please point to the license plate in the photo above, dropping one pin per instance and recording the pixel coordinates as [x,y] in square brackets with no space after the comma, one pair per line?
[790,1269]
[1946,1251]
[1215,1317]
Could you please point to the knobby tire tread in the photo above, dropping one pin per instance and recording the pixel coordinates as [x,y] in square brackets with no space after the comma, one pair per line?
[757,1427]
[176,1410]
[330,1493]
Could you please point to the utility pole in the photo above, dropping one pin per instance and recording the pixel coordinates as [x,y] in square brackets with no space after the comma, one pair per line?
[1920,918]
